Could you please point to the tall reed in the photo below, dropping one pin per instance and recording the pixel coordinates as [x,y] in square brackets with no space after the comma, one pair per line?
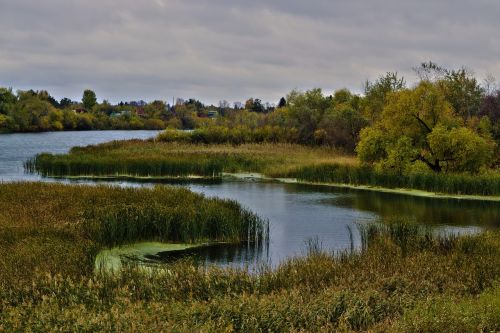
[467,184]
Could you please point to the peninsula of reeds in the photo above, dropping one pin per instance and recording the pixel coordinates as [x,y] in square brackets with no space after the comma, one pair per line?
[179,159]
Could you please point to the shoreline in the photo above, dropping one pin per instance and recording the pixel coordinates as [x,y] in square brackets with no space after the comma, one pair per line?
[255,176]
[403,191]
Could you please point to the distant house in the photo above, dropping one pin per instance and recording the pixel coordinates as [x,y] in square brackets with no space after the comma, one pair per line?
[213,114]
[140,112]
[80,110]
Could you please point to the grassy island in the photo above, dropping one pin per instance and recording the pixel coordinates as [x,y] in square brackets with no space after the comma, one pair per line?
[158,159]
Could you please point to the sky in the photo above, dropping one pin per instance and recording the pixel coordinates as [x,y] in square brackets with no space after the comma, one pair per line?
[235,49]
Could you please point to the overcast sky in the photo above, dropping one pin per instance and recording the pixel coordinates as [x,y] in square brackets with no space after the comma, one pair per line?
[235,49]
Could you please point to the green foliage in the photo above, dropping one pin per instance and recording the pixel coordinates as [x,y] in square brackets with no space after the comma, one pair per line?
[460,149]
[419,125]
[89,99]
[7,100]
[377,92]
[463,92]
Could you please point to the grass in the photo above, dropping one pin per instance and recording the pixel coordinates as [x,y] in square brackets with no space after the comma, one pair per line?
[404,278]
[465,184]
[55,228]
[235,135]
[156,159]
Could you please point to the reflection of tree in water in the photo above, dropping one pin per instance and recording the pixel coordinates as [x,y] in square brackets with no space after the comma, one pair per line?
[423,210]
[246,254]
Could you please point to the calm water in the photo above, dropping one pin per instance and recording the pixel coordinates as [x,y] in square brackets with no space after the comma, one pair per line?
[297,213]
[15,149]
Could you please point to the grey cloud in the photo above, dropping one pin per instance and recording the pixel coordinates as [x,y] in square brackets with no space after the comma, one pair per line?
[234,49]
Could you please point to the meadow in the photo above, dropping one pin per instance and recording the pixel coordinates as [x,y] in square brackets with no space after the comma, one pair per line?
[403,278]
[162,158]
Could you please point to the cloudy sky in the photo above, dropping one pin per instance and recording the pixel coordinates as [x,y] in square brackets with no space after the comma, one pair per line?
[235,49]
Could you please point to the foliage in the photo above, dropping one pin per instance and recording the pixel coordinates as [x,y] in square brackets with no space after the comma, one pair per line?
[377,92]
[89,99]
[418,125]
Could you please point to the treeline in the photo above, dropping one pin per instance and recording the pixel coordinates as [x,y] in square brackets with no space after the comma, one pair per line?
[448,121]
[38,111]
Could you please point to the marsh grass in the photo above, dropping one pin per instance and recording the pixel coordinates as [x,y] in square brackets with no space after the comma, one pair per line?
[384,287]
[59,228]
[467,184]
[157,159]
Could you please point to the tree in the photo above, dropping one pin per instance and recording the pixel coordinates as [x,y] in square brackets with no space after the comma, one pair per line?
[89,99]
[463,92]
[460,87]
[7,100]
[430,71]
[376,93]
[420,126]
[65,102]
[305,110]
[341,125]
[282,103]
[254,105]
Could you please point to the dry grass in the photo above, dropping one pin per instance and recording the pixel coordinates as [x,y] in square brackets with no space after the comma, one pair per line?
[148,158]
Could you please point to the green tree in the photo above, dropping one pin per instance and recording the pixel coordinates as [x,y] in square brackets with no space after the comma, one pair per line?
[463,92]
[341,125]
[377,92]
[305,112]
[282,103]
[7,100]
[420,126]
[89,99]
[65,103]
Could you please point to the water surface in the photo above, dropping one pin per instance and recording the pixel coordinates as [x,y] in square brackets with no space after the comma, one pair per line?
[16,148]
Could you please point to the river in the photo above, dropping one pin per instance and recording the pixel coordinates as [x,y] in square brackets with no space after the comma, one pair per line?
[298,214]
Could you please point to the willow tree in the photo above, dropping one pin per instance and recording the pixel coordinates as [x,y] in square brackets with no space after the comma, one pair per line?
[420,127]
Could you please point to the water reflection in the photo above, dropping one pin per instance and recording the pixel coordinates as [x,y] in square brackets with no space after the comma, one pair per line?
[430,211]
[244,255]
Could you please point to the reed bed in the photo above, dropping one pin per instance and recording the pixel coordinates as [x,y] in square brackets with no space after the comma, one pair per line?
[444,283]
[487,184]
[55,227]
[157,159]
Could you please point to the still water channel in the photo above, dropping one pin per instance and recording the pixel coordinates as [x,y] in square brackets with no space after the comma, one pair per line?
[297,214]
